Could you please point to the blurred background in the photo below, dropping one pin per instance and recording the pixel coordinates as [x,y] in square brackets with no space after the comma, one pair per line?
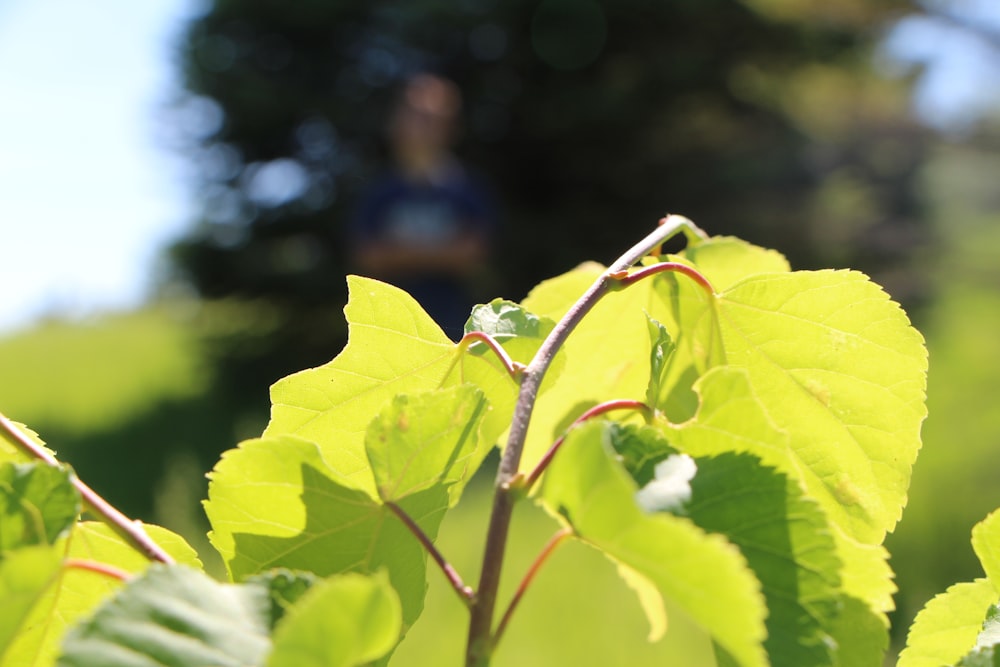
[179,182]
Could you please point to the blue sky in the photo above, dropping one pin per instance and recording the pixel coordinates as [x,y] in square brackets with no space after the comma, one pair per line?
[89,193]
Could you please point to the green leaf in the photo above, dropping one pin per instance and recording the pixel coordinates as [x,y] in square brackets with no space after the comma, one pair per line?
[174,617]
[25,574]
[700,573]
[990,634]
[860,634]
[274,502]
[988,656]
[505,320]
[76,592]
[985,653]
[38,503]
[340,622]
[662,347]
[730,418]
[421,441]
[787,543]
[601,360]
[726,260]
[11,452]
[836,366]
[947,627]
[783,535]
[393,348]
[284,587]
[986,543]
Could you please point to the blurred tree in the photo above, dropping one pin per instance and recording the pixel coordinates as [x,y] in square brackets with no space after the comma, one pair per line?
[591,118]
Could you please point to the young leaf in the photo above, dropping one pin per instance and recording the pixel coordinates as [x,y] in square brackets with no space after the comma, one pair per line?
[520,333]
[701,573]
[421,441]
[947,627]
[38,503]
[506,320]
[340,622]
[661,348]
[174,617]
[274,502]
[75,593]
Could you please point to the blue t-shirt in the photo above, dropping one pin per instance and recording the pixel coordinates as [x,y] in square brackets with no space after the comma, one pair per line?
[427,213]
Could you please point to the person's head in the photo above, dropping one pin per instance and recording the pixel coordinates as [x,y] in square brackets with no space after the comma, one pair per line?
[425,120]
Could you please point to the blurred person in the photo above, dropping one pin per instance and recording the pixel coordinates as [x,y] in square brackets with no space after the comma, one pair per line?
[426,225]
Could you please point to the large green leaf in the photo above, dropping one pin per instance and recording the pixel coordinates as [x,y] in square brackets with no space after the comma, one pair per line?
[340,622]
[394,348]
[731,418]
[701,573]
[76,592]
[836,366]
[787,542]
[783,535]
[25,574]
[421,441]
[602,355]
[947,627]
[174,617]
[274,502]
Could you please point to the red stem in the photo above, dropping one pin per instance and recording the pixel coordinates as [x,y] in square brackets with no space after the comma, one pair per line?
[514,369]
[99,568]
[547,550]
[129,530]
[464,592]
[625,279]
[597,410]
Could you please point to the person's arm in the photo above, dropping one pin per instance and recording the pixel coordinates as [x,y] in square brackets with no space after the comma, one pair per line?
[460,256]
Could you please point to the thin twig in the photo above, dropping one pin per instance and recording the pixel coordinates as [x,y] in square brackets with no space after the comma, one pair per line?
[597,410]
[547,550]
[625,278]
[480,643]
[464,592]
[514,368]
[131,531]
[99,568]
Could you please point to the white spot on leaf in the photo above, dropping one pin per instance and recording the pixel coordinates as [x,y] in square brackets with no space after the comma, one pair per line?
[670,487]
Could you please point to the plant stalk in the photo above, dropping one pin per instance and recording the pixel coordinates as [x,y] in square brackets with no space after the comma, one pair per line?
[131,531]
[481,640]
